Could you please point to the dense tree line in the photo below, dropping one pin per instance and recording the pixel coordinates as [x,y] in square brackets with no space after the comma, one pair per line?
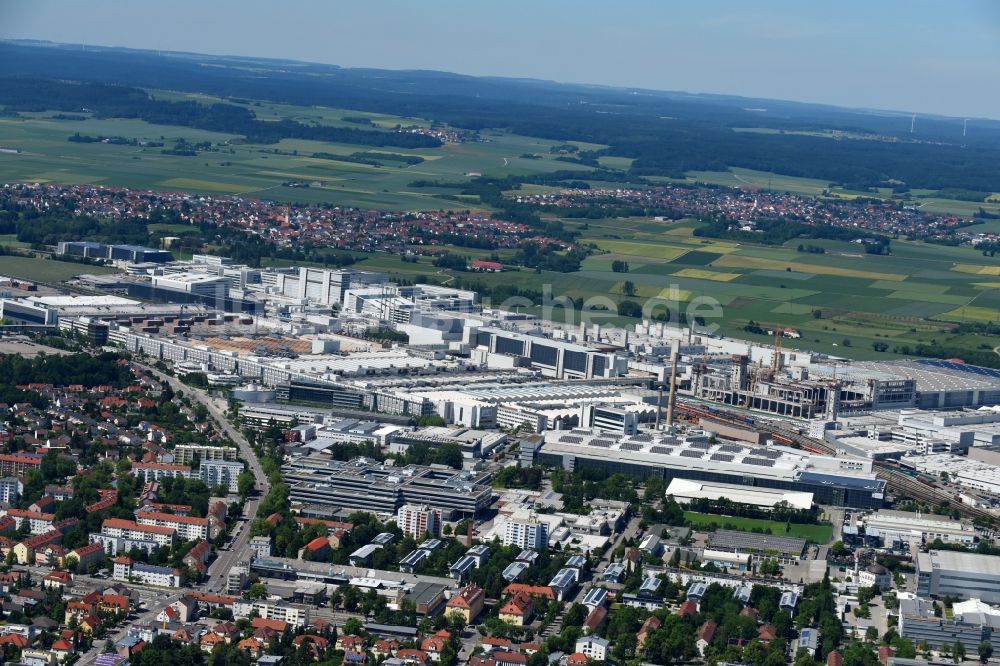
[778,232]
[83,369]
[33,226]
[449,454]
[781,511]
[110,101]
[985,358]
[373,159]
[584,485]
[529,478]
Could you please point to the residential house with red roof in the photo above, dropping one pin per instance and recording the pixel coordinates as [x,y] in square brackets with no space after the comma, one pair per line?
[467,603]
[531,590]
[651,624]
[413,657]
[705,635]
[434,645]
[518,610]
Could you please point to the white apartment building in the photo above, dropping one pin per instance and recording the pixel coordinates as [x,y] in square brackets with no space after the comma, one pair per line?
[223,473]
[38,523]
[260,546]
[127,570]
[10,489]
[530,533]
[595,647]
[127,529]
[188,528]
[297,617]
[184,454]
[419,520]
[157,471]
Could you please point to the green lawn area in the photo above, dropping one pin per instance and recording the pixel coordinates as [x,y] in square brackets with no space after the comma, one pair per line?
[47,270]
[817,533]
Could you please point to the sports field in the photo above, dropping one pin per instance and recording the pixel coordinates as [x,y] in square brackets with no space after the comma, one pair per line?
[820,534]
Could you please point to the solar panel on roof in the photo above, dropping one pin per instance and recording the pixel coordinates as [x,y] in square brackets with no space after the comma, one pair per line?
[664,450]
[699,445]
[602,442]
[631,446]
[758,451]
[760,462]
[722,457]
[642,437]
[960,367]
[730,540]
[571,439]
[731,448]
[692,454]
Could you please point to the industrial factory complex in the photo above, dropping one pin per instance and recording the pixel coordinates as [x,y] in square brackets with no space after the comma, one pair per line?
[350,356]
[447,422]
[309,336]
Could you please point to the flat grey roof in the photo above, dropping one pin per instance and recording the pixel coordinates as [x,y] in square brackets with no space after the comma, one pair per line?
[970,563]
[730,540]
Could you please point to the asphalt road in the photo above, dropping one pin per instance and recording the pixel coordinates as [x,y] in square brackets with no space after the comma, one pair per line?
[238,549]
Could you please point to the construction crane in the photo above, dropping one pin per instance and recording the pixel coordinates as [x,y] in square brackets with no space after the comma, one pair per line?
[779,333]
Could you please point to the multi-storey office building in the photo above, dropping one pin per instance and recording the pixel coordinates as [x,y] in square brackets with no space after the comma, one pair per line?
[362,484]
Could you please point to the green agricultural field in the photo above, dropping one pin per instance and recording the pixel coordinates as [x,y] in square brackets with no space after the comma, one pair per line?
[47,270]
[841,302]
[820,534]
[264,171]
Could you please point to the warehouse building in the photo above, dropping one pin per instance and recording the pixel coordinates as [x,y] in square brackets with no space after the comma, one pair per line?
[907,528]
[732,541]
[30,314]
[554,358]
[938,384]
[832,481]
[135,254]
[972,623]
[965,575]
[201,284]
[685,490]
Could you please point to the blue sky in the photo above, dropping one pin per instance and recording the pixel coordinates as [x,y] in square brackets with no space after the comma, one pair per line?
[924,56]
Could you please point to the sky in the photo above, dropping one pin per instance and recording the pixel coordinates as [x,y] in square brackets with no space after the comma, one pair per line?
[923,56]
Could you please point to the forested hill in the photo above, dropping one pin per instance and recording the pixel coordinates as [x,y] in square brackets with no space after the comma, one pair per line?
[116,101]
[665,133]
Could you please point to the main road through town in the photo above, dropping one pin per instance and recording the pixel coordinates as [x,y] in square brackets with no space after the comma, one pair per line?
[238,549]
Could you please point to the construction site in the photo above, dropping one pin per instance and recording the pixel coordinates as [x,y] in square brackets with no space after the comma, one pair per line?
[791,384]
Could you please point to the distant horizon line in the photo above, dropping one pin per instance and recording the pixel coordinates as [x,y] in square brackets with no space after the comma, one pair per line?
[168,52]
